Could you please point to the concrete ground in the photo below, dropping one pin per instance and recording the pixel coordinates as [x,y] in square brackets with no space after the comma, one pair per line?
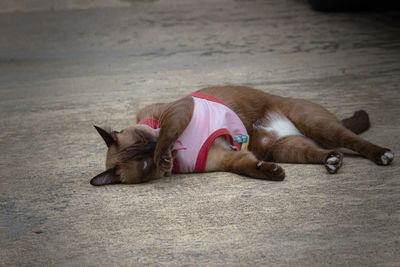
[66,65]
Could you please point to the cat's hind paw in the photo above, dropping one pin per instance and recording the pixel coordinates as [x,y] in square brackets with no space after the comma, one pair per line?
[333,162]
[386,158]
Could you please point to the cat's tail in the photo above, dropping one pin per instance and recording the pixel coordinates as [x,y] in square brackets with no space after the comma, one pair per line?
[358,123]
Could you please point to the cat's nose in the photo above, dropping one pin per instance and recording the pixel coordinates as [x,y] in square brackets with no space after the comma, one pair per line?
[153,145]
[153,139]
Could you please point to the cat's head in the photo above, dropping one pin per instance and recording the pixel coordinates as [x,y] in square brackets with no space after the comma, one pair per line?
[129,157]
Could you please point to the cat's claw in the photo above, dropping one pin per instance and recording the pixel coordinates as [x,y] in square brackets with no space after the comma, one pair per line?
[333,162]
[259,164]
[164,161]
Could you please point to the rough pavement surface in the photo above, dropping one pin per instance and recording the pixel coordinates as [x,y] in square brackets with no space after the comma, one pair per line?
[66,65]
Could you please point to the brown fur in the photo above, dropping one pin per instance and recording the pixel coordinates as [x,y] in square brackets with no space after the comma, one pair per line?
[139,154]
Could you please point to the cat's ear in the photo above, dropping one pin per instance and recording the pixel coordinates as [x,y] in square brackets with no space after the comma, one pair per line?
[107,177]
[107,136]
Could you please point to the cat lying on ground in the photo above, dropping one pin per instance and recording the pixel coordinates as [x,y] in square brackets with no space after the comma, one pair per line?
[234,129]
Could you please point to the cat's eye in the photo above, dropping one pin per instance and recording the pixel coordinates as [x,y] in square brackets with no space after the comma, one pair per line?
[137,157]
[141,139]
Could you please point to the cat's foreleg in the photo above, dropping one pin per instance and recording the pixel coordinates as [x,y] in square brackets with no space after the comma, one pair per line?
[173,120]
[151,111]
[222,158]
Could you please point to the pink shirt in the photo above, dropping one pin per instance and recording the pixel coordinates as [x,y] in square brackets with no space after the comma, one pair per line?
[211,118]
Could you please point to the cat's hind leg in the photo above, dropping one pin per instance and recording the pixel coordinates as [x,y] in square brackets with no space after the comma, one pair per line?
[276,138]
[323,127]
[335,135]
[296,149]
[221,157]
[300,149]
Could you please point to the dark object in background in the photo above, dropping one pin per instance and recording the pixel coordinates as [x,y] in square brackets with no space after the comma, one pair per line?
[353,5]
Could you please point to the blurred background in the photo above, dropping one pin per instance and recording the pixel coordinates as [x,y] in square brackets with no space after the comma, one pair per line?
[67,65]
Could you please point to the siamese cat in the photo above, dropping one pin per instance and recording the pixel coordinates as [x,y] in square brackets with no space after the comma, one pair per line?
[234,129]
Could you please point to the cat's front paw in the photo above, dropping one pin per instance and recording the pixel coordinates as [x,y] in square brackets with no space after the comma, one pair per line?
[271,171]
[164,161]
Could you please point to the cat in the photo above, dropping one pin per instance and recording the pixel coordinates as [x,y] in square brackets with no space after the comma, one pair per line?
[234,129]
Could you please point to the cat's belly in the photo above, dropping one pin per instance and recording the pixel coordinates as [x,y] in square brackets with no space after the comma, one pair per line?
[275,126]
